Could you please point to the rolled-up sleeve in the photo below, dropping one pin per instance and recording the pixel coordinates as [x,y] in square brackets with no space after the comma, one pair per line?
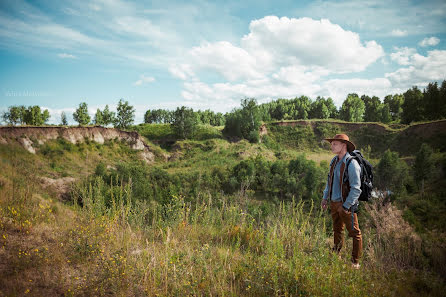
[354,177]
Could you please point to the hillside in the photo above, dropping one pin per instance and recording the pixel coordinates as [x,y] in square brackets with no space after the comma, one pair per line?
[379,137]
[207,216]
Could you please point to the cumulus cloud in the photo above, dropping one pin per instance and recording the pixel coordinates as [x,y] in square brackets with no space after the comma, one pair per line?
[398,33]
[282,41]
[144,80]
[279,57]
[403,55]
[226,59]
[429,41]
[423,69]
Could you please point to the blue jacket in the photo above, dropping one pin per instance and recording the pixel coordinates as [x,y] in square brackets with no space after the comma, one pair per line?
[354,178]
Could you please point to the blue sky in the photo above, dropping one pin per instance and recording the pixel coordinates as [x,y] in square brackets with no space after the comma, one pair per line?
[211,54]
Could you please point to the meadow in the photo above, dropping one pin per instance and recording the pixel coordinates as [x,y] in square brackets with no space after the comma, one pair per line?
[208,222]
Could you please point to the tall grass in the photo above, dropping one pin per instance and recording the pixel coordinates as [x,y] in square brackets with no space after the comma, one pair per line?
[220,246]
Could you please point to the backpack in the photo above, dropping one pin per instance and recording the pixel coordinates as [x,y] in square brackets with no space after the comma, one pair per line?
[366,174]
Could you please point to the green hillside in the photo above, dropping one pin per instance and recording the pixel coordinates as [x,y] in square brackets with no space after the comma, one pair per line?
[214,216]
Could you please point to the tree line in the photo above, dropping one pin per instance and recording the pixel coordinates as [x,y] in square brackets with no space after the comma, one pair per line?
[413,105]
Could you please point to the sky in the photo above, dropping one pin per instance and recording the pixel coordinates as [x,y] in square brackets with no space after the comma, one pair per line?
[211,54]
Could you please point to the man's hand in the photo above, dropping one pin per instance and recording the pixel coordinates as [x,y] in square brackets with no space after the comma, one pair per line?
[324,204]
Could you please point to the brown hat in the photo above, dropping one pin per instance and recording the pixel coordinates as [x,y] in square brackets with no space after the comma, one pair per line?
[343,138]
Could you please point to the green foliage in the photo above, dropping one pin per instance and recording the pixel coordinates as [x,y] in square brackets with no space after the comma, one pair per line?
[81,114]
[294,137]
[29,116]
[206,117]
[185,122]
[108,117]
[244,122]
[373,108]
[424,165]
[158,116]
[434,101]
[98,117]
[156,131]
[352,109]
[15,115]
[319,109]
[395,103]
[385,114]
[413,107]
[392,173]
[63,119]
[125,115]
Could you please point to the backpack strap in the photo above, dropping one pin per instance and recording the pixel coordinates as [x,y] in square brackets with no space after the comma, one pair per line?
[333,164]
[341,181]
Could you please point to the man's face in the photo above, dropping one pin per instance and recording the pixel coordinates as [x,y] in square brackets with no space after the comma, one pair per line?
[336,146]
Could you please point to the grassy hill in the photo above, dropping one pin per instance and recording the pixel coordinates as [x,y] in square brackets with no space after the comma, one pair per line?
[88,219]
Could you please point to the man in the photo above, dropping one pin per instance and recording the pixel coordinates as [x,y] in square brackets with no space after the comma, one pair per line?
[343,190]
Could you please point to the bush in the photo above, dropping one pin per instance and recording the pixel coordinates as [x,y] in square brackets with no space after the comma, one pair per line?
[392,173]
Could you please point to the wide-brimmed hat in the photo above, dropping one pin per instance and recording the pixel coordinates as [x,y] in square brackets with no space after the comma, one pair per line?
[343,138]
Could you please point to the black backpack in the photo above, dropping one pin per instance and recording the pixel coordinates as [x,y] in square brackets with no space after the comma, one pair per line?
[366,174]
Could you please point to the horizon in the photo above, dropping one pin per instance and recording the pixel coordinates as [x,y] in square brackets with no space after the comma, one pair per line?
[210,55]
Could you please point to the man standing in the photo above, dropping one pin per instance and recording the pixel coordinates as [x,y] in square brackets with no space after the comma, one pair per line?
[343,190]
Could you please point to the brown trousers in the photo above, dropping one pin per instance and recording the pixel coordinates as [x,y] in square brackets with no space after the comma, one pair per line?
[342,217]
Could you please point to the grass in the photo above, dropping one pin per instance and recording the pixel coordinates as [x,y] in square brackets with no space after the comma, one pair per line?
[208,248]
[224,245]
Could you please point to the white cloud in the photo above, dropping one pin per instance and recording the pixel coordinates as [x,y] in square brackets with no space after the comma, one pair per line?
[283,41]
[279,57]
[66,56]
[423,69]
[144,80]
[232,62]
[182,71]
[376,16]
[338,89]
[403,55]
[429,41]
[399,33]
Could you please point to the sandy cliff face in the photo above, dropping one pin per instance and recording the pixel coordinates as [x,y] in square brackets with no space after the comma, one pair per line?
[28,136]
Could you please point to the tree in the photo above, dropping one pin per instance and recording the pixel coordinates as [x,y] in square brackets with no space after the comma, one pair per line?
[443,99]
[250,119]
[244,122]
[108,117]
[391,173]
[81,114]
[34,116]
[423,165]
[372,108]
[333,111]
[319,109]
[395,103]
[301,108]
[98,117]
[185,122]
[386,117]
[413,106]
[45,116]
[352,109]
[125,115]
[15,115]
[432,102]
[63,119]
[218,119]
